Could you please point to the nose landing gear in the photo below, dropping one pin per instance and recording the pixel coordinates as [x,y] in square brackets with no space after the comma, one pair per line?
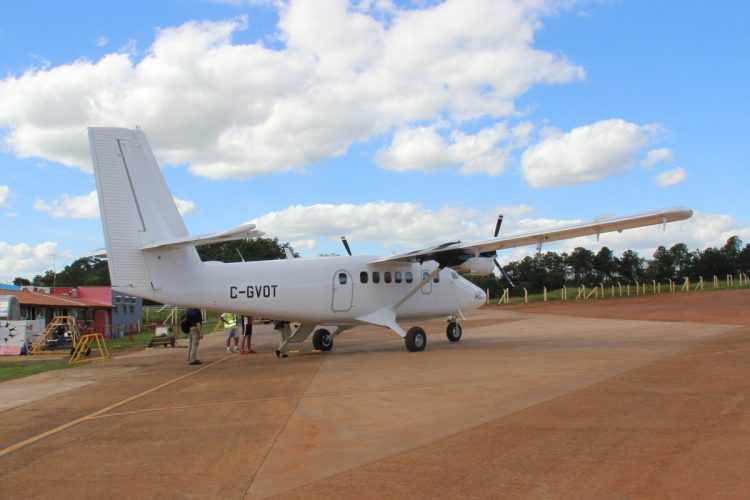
[454,331]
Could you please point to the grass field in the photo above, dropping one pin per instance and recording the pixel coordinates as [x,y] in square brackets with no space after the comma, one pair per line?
[517,295]
[13,369]
[9,371]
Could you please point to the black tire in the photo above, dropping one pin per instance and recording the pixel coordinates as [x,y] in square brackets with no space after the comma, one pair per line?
[454,331]
[416,339]
[322,340]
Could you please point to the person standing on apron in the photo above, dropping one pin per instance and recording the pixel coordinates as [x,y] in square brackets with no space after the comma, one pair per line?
[194,320]
[247,336]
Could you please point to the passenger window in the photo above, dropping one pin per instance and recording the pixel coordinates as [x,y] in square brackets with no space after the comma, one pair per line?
[363,277]
[436,279]
[342,278]
[387,276]
[376,276]
[398,277]
[409,277]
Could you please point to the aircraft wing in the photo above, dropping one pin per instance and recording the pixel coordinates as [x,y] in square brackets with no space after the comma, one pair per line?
[454,253]
[241,232]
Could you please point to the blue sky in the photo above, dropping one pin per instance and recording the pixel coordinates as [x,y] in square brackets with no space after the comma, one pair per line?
[614,81]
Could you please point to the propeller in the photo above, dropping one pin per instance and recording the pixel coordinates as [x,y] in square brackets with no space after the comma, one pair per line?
[505,275]
[498,224]
[346,245]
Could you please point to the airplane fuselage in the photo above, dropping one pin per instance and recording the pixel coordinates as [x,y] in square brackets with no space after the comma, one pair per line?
[335,290]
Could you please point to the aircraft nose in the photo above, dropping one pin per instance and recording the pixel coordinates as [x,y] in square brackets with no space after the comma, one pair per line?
[474,296]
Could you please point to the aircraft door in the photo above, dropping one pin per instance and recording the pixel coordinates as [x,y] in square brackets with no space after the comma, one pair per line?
[427,287]
[343,291]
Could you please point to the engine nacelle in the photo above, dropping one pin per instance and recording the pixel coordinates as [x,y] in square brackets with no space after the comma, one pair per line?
[478,266]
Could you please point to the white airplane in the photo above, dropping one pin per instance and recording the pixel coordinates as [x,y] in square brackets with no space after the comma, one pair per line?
[151,255]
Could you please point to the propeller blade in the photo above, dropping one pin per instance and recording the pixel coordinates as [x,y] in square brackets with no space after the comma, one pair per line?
[498,224]
[505,275]
[346,245]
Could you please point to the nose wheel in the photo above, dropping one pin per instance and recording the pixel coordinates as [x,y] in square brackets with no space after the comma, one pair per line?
[454,331]
[416,339]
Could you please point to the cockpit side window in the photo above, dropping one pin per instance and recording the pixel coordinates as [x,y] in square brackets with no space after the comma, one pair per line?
[342,278]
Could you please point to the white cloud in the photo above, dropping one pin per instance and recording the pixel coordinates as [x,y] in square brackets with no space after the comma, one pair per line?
[586,153]
[102,41]
[4,195]
[71,207]
[184,206]
[24,259]
[381,223]
[343,75]
[424,148]
[671,177]
[411,226]
[129,48]
[657,157]
[87,206]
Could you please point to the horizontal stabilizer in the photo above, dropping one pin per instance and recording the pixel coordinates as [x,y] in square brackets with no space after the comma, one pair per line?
[242,232]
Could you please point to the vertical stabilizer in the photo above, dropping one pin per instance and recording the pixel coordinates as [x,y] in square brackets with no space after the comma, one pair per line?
[135,204]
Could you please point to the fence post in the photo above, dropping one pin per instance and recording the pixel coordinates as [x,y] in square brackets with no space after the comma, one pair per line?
[716,281]
[637,289]
[544,291]
[700,282]
[730,281]
[525,296]
[628,289]
[619,286]
[658,288]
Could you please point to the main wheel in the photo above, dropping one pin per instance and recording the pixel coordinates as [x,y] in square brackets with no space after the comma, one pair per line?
[416,339]
[454,331]
[322,340]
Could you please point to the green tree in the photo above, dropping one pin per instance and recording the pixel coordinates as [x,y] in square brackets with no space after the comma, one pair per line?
[662,266]
[605,265]
[47,279]
[581,263]
[630,266]
[743,259]
[683,260]
[86,271]
[21,282]
[248,250]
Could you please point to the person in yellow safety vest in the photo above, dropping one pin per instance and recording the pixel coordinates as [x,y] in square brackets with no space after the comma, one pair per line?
[229,321]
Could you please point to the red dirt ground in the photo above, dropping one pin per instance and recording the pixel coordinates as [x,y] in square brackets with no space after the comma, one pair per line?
[728,307]
[670,425]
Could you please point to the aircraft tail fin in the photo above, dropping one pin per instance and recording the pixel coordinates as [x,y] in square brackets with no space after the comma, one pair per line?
[136,207]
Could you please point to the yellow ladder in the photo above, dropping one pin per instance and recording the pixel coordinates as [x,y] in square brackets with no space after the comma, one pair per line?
[83,348]
[70,322]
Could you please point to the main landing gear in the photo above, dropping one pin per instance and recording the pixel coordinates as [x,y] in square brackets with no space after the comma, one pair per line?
[416,339]
[322,340]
